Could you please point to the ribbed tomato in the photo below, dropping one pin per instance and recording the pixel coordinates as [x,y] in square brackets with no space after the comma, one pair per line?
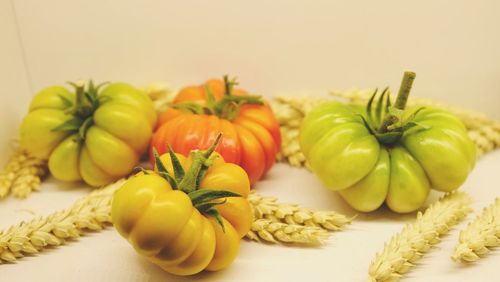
[188,215]
[250,133]
[88,134]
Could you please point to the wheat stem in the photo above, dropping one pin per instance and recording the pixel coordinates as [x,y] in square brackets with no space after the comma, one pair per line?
[406,247]
[481,235]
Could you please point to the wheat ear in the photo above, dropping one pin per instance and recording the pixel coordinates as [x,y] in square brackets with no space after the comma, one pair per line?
[268,208]
[290,112]
[272,231]
[89,213]
[93,213]
[290,223]
[21,175]
[406,247]
[482,234]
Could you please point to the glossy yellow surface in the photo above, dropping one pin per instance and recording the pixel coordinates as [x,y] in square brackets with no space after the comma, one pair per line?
[162,224]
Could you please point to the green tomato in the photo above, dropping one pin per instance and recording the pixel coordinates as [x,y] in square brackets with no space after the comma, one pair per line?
[90,135]
[425,149]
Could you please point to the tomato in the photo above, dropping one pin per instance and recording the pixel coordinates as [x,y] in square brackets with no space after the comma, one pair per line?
[175,219]
[250,133]
[90,135]
[387,154]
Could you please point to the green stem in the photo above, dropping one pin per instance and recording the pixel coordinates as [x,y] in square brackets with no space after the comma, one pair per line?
[80,97]
[388,121]
[228,86]
[404,90]
[198,167]
[227,107]
[401,99]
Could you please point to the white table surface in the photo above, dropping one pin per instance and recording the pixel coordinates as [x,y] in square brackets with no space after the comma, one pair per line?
[105,256]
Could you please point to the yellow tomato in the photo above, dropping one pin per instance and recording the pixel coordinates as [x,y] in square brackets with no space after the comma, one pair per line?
[165,221]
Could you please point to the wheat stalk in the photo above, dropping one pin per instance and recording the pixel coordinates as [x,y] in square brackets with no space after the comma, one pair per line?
[89,213]
[480,236]
[268,208]
[290,111]
[160,93]
[21,175]
[406,247]
[272,231]
[290,223]
[93,212]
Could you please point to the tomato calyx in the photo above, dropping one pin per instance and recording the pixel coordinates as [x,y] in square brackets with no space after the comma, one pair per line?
[387,122]
[82,109]
[228,107]
[189,181]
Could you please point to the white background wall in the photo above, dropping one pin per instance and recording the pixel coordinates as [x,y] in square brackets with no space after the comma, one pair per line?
[274,47]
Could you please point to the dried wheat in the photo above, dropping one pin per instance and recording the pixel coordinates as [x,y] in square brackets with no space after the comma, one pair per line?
[278,232]
[482,234]
[89,213]
[21,175]
[406,247]
[269,208]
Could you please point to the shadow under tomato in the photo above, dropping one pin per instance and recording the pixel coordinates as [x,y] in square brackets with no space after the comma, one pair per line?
[158,274]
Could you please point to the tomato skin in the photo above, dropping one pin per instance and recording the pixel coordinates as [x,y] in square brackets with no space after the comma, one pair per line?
[162,224]
[119,134]
[349,159]
[251,140]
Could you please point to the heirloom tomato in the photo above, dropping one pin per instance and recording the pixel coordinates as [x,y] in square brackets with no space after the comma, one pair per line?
[251,136]
[188,215]
[97,136]
[385,153]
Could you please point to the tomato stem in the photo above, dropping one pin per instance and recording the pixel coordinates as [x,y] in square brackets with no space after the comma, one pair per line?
[189,181]
[80,96]
[401,100]
[404,90]
[201,162]
[228,107]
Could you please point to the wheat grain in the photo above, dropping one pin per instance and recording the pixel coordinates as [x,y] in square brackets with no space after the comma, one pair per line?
[271,231]
[89,213]
[401,252]
[21,175]
[269,208]
[482,234]
[93,212]
[160,93]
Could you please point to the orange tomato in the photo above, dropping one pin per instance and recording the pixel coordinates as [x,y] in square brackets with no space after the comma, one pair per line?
[250,133]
